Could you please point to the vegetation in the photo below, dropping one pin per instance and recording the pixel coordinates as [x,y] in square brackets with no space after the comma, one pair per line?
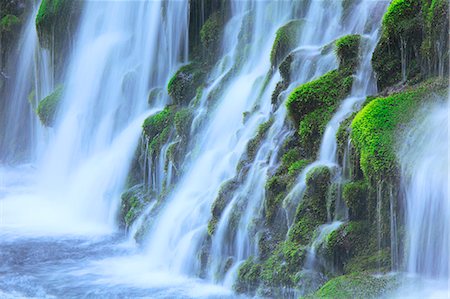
[183,85]
[285,41]
[48,107]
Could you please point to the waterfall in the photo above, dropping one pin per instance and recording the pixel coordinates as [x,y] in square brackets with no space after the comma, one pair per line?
[28,81]
[424,162]
[114,63]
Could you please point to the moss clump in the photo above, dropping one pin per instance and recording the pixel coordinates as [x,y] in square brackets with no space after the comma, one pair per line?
[8,23]
[312,211]
[348,240]
[357,285]
[211,35]
[222,200]
[414,38]
[48,107]
[133,203]
[183,119]
[56,21]
[183,85]
[157,128]
[248,276]
[375,127]
[325,91]
[285,41]
[347,50]
[376,261]
[355,197]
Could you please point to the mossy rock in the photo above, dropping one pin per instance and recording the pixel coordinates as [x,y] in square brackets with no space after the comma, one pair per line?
[357,285]
[48,107]
[223,199]
[56,21]
[183,120]
[133,203]
[248,277]
[312,210]
[355,195]
[347,241]
[211,35]
[347,50]
[376,126]
[322,92]
[157,128]
[9,23]
[183,85]
[402,27]
[373,261]
[286,40]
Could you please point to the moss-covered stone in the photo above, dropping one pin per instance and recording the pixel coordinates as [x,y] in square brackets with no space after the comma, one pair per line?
[312,210]
[414,38]
[357,285]
[286,40]
[8,23]
[222,200]
[355,197]
[211,35]
[347,50]
[56,21]
[374,261]
[248,276]
[183,119]
[183,85]
[375,127]
[133,203]
[157,128]
[48,107]
[347,241]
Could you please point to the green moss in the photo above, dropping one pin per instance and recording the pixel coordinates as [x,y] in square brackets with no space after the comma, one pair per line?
[248,276]
[312,127]
[347,50]
[183,85]
[254,144]
[183,119]
[157,128]
[133,203]
[325,91]
[8,23]
[285,41]
[358,285]
[298,166]
[372,261]
[402,27]
[312,210]
[48,107]
[211,35]
[56,20]
[355,197]
[375,127]
[222,200]
[348,240]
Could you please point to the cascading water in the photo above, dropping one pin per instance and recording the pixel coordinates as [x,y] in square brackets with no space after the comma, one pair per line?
[79,174]
[29,81]
[424,158]
[124,52]
[363,85]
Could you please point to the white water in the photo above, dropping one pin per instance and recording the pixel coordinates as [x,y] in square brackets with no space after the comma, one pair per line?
[363,85]
[424,158]
[75,188]
[78,181]
[29,81]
